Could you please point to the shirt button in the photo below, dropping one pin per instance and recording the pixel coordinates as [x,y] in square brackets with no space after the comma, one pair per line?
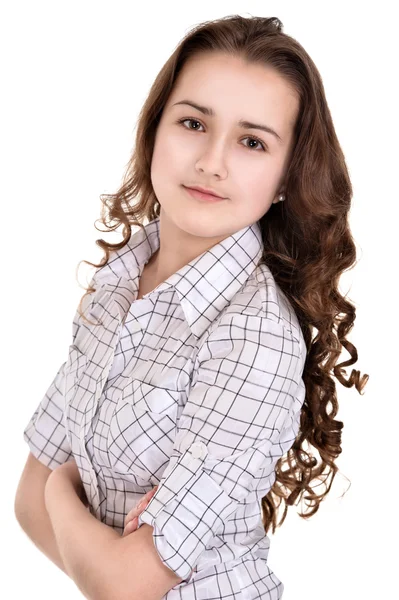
[135,326]
[199,450]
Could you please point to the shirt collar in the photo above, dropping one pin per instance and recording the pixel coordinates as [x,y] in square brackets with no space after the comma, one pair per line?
[205,286]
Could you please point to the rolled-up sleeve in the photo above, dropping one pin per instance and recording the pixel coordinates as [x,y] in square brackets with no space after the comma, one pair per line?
[241,415]
[45,432]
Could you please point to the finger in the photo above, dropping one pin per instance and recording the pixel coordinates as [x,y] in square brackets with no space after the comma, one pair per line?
[136,510]
[132,526]
[140,506]
[128,529]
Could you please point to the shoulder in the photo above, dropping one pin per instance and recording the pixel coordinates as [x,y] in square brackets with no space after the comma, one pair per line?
[259,319]
[262,297]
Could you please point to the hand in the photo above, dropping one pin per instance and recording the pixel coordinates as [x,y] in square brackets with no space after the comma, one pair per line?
[70,471]
[131,519]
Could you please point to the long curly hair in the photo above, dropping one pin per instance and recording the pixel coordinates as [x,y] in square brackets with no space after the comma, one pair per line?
[307,239]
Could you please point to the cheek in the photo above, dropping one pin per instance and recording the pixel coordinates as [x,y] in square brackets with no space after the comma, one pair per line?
[254,196]
[169,156]
[255,184]
[160,168]
[259,180]
[254,208]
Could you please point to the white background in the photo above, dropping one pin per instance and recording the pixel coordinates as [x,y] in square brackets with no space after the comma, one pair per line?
[74,76]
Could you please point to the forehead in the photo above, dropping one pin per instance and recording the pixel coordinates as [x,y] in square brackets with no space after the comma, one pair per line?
[235,89]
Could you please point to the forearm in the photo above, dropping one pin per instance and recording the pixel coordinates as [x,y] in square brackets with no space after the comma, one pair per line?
[84,543]
[41,533]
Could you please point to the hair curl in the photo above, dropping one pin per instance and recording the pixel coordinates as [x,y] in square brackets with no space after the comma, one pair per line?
[307,239]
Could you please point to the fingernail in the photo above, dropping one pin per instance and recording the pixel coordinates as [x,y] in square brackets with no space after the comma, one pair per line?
[127,529]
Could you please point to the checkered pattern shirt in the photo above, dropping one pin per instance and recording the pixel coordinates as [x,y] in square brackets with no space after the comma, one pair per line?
[197,388]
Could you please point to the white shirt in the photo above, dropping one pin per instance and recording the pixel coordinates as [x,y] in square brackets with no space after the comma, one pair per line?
[197,388]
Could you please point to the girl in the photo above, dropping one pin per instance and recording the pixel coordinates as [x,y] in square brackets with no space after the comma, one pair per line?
[204,351]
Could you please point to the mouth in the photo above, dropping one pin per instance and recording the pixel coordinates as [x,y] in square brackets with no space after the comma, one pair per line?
[202,196]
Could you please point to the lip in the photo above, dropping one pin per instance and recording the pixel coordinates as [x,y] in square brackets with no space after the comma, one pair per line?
[203,195]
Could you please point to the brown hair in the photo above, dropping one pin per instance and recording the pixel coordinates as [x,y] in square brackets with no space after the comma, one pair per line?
[307,238]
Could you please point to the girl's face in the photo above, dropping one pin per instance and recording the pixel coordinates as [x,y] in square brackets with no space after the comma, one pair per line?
[215,152]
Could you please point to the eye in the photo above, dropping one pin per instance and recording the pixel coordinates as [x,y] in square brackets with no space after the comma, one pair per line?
[192,120]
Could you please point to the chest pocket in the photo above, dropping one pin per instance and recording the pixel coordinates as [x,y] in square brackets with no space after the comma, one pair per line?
[142,429]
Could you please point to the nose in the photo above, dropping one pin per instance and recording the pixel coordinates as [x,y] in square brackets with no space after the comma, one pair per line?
[213,160]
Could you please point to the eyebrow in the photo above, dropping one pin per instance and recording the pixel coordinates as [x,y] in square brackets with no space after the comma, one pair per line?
[241,123]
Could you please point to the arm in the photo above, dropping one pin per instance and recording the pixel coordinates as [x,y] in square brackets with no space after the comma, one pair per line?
[30,509]
[39,530]
[103,564]
[83,542]
[241,415]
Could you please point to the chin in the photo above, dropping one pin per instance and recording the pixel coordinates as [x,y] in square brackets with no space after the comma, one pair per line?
[200,224]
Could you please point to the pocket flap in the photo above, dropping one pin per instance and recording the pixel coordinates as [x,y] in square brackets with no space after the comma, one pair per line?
[150,398]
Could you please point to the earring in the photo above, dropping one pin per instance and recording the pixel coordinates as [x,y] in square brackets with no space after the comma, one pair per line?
[281,197]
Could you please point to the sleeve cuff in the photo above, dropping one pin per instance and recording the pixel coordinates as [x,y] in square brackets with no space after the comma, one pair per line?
[45,432]
[188,509]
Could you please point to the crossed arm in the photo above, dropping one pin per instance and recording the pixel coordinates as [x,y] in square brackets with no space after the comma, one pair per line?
[104,565]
